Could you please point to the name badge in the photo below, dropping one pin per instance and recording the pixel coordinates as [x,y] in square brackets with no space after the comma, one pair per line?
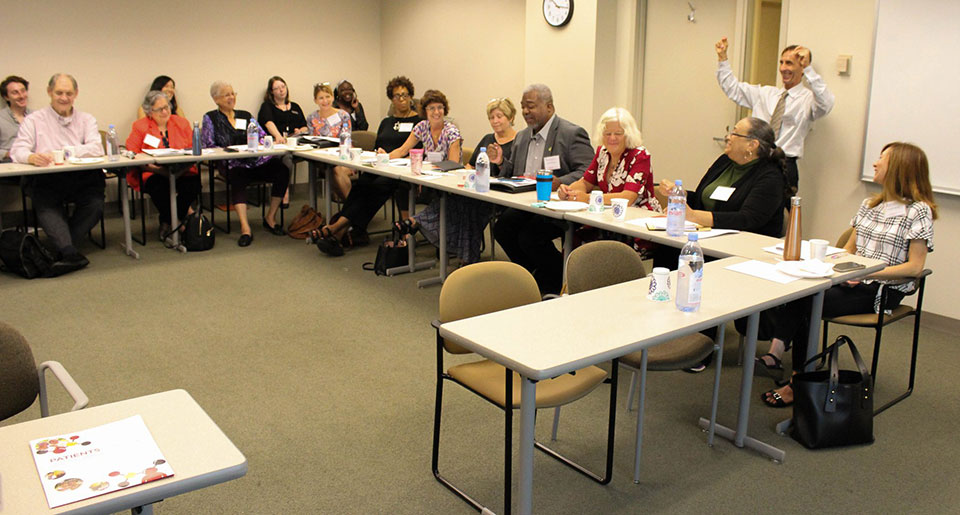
[434,157]
[551,162]
[333,120]
[151,141]
[240,124]
[405,127]
[894,209]
[722,193]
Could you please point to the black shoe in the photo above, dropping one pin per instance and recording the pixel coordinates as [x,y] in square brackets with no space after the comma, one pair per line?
[330,246]
[276,229]
[245,240]
[68,263]
[406,227]
[700,367]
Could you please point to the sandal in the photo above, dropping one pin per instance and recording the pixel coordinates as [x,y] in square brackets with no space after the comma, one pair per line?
[774,400]
[318,234]
[406,227]
[774,371]
[330,246]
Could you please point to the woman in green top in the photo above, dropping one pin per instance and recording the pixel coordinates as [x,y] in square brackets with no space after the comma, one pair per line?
[744,189]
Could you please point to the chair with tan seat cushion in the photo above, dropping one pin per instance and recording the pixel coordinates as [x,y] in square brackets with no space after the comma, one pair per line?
[878,323]
[21,381]
[483,288]
[364,139]
[604,263]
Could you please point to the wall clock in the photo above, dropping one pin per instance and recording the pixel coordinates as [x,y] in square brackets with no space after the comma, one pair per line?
[557,13]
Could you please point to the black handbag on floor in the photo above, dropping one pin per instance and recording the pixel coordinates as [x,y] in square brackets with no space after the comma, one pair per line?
[833,407]
[198,233]
[391,253]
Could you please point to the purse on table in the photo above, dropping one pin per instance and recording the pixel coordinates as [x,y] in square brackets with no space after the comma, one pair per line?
[833,407]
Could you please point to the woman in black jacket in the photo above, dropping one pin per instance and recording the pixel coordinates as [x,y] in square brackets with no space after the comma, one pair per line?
[752,166]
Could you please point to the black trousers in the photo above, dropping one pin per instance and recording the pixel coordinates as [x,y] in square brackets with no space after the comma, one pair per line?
[158,187]
[50,191]
[790,322]
[273,171]
[527,239]
[366,197]
[793,176]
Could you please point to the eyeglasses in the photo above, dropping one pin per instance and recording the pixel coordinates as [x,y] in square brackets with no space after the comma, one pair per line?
[160,109]
[731,133]
[401,96]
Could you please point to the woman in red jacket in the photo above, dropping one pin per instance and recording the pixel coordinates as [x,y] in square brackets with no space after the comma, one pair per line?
[162,129]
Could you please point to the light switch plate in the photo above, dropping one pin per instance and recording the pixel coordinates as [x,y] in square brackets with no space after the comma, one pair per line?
[843,64]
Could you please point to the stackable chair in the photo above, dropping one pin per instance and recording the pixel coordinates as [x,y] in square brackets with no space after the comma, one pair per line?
[218,172]
[21,381]
[878,322]
[364,139]
[605,263]
[484,288]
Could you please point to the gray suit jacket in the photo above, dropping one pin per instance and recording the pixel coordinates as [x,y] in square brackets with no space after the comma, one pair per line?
[565,139]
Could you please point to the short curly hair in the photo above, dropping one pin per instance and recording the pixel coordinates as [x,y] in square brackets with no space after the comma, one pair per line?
[396,82]
[433,96]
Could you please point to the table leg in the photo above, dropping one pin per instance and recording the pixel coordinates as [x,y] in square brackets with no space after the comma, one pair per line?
[146,509]
[528,394]
[412,265]
[174,217]
[125,208]
[718,350]
[739,437]
[813,343]
[328,193]
[443,246]
[567,248]
[640,406]
[312,183]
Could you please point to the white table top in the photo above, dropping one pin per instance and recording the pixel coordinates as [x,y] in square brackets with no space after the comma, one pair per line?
[197,450]
[17,169]
[543,340]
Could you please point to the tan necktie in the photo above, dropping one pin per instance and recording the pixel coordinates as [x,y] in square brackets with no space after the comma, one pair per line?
[777,119]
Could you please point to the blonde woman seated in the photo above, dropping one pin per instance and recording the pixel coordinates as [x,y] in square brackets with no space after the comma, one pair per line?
[620,167]
[329,121]
[500,113]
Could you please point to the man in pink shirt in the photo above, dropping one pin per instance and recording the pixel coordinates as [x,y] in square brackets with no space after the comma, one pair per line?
[53,128]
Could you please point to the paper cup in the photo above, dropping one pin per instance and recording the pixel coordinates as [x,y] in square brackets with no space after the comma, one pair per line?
[383,159]
[416,161]
[596,202]
[69,152]
[659,285]
[357,152]
[267,142]
[57,157]
[619,208]
[292,141]
[818,249]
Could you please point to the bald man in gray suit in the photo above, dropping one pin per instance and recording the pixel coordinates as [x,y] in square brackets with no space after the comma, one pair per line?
[552,143]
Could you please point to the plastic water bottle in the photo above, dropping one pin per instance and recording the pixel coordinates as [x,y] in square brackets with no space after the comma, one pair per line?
[253,136]
[483,171]
[196,139]
[113,145]
[345,142]
[690,275]
[676,209]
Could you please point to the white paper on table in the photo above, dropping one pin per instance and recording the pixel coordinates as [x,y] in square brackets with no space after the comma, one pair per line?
[804,249]
[400,161]
[96,461]
[702,235]
[161,152]
[660,223]
[430,176]
[762,270]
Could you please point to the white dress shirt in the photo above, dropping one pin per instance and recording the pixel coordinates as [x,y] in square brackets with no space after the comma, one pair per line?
[802,105]
[45,130]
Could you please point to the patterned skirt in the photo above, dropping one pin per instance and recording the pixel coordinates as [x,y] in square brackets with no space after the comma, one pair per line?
[466,220]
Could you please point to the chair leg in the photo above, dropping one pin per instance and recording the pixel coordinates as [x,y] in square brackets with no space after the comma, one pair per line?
[640,407]
[611,427]
[740,350]
[556,424]
[633,388]
[508,441]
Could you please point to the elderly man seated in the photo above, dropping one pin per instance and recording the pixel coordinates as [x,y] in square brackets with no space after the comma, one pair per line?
[53,128]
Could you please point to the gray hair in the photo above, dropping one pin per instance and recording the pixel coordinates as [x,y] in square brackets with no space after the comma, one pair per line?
[152,97]
[620,115]
[217,86]
[56,76]
[542,90]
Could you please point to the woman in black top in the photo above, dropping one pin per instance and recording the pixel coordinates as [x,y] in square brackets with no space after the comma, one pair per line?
[278,115]
[371,191]
[226,126]
[500,114]
[345,97]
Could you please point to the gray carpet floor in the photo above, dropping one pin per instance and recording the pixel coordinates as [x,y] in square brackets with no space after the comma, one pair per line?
[322,374]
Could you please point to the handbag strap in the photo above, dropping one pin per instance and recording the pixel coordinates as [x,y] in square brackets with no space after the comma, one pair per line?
[833,354]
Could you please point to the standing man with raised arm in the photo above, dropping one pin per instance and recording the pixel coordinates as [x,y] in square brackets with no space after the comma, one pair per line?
[42,132]
[552,143]
[790,111]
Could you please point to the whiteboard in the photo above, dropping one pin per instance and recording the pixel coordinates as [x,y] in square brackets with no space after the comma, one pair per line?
[915,86]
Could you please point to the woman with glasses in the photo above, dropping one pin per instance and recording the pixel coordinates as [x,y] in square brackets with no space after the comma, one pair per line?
[163,129]
[753,168]
[278,115]
[328,121]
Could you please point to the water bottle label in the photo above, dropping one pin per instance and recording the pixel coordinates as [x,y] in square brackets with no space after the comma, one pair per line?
[696,280]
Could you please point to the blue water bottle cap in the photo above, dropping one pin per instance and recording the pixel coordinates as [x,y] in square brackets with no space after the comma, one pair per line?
[483,149]
[692,236]
[678,182]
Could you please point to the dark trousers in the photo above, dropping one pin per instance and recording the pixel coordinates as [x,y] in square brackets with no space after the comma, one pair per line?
[158,187]
[49,193]
[527,239]
[366,197]
[791,322]
[273,171]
